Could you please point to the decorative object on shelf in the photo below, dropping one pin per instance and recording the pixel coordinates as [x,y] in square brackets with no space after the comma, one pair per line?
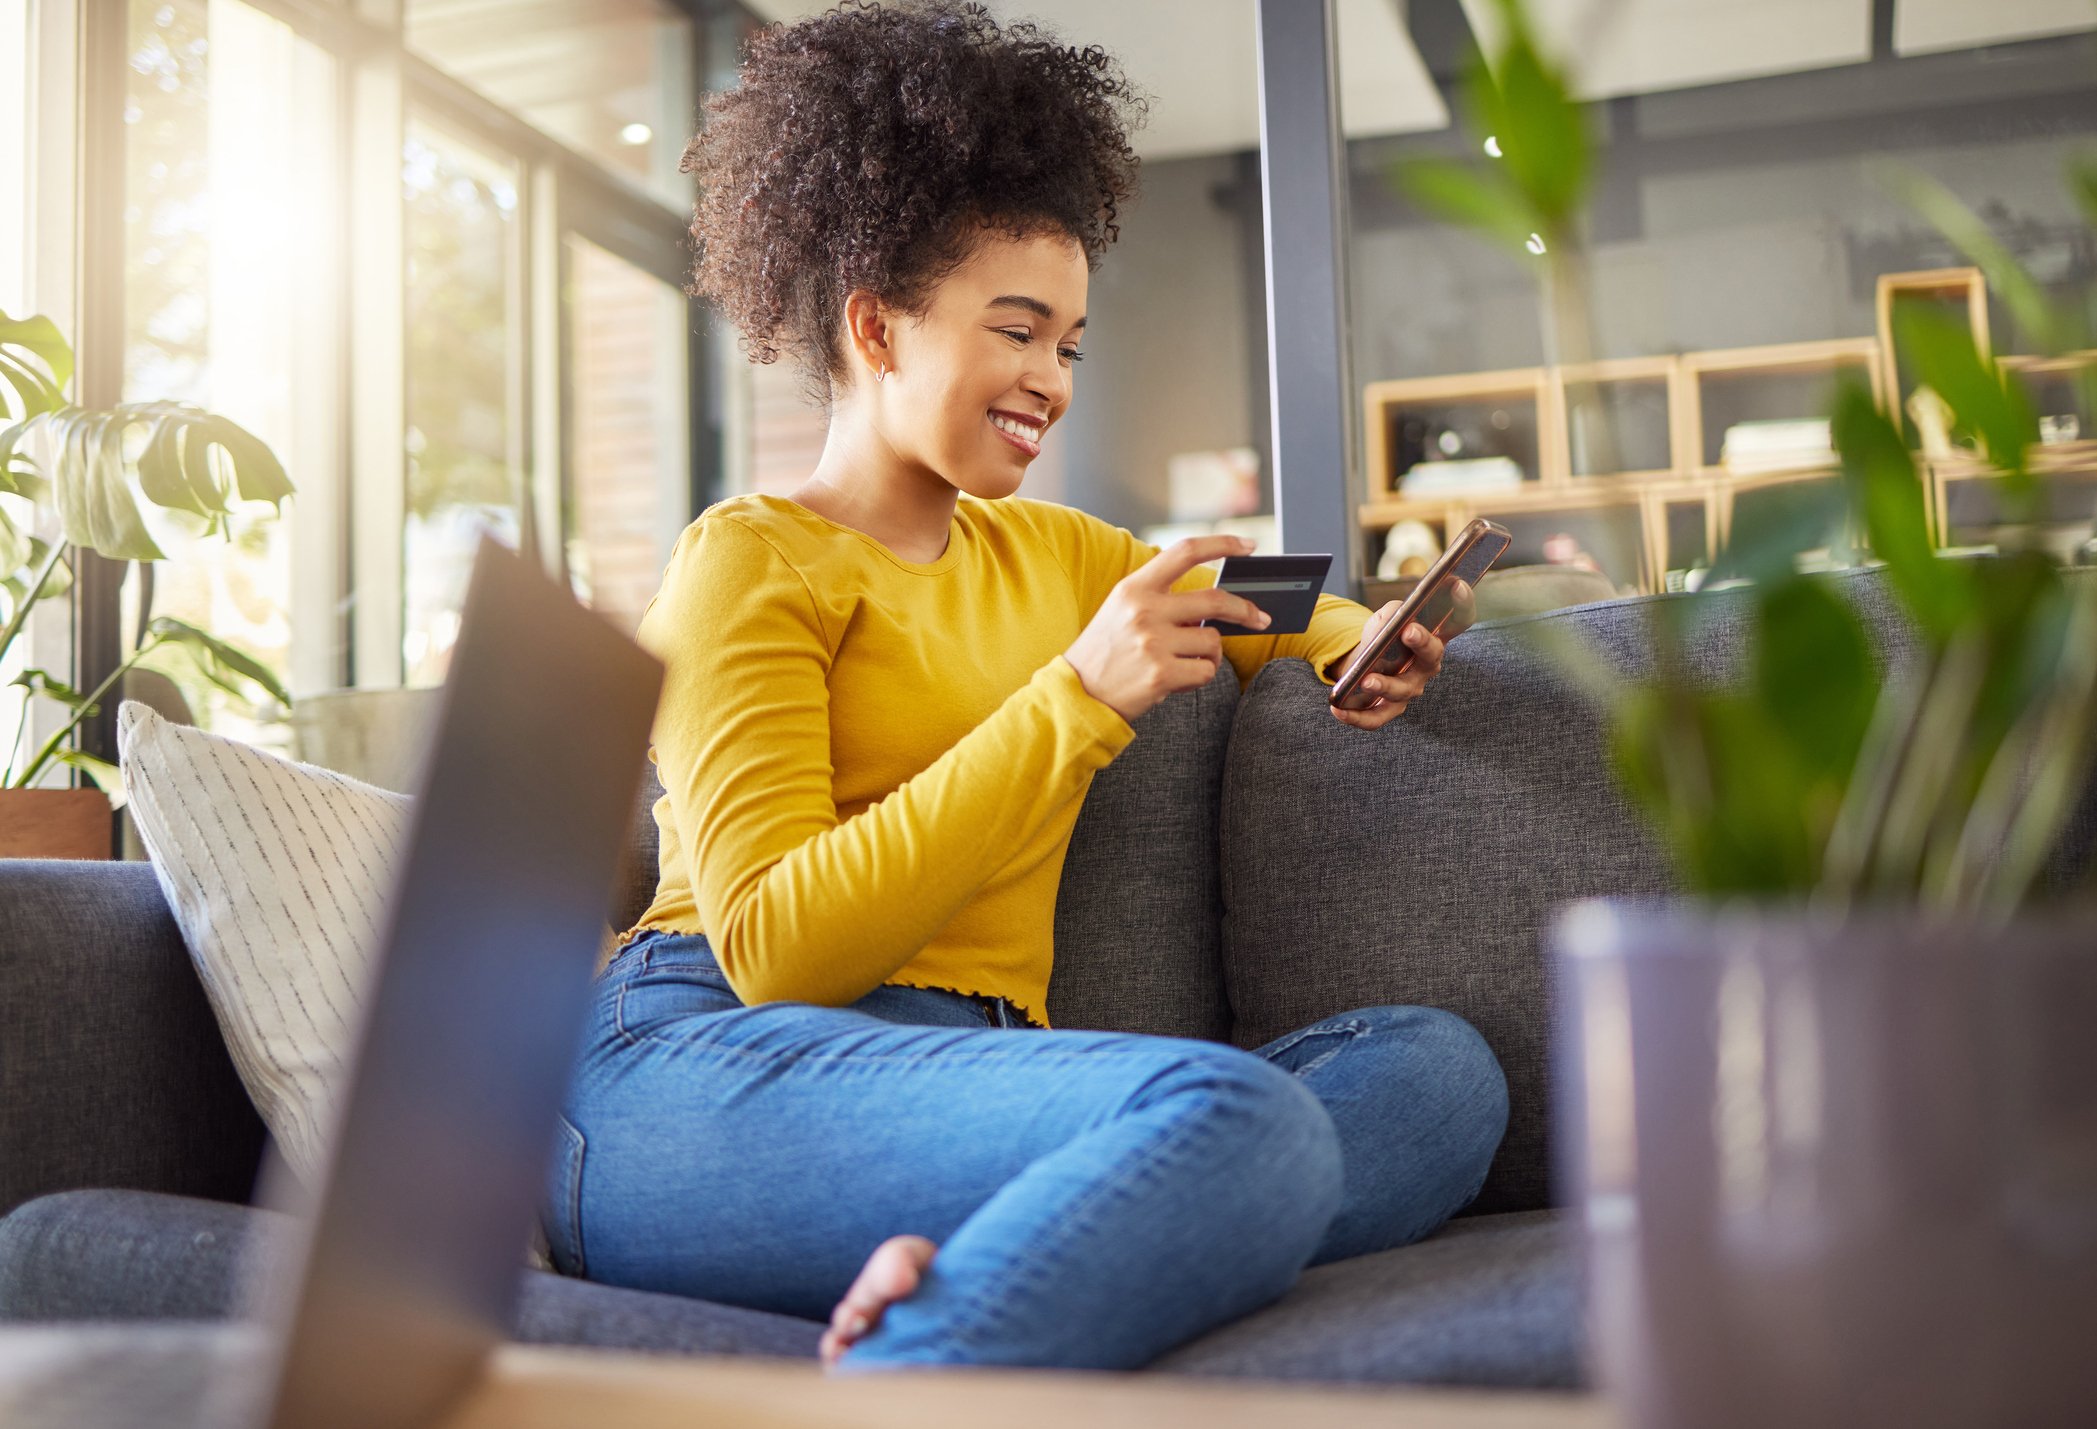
[1203,486]
[1562,548]
[1440,478]
[76,468]
[1788,444]
[1407,543]
[2059,429]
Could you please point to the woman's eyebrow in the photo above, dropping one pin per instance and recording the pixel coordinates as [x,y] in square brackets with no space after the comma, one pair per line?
[1026,304]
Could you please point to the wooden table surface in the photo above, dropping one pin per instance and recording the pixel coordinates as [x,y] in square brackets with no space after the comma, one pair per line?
[534,1387]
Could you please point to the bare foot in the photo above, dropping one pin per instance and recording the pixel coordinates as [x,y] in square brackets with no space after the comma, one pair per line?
[890,1274]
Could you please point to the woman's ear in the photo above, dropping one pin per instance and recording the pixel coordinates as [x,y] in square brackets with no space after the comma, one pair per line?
[867,331]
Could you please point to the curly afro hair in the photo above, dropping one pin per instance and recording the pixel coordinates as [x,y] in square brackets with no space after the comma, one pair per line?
[869,146]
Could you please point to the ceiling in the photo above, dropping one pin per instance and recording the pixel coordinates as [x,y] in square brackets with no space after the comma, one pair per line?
[1198,61]
[1198,58]
[1616,47]
[1920,26]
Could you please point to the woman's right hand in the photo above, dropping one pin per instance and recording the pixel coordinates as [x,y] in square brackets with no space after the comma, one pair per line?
[1145,641]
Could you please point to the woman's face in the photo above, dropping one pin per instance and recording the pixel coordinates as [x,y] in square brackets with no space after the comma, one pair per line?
[985,372]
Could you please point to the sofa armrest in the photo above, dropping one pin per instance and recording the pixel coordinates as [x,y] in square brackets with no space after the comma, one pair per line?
[112,1070]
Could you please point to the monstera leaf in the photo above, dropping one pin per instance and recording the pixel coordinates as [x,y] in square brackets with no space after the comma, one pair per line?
[86,477]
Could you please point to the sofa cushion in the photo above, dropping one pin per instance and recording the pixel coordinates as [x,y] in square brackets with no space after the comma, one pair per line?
[129,1255]
[1139,936]
[640,870]
[1420,863]
[1491,1300]
[112,1071]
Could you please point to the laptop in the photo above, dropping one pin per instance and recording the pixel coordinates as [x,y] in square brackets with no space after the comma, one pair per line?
[409,1251]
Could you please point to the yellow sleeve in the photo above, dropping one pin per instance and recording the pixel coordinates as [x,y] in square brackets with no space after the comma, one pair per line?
[796,903]
[1105,553]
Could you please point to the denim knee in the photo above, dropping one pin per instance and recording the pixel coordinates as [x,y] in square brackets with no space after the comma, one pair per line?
[1467,1078]
[1282,1130]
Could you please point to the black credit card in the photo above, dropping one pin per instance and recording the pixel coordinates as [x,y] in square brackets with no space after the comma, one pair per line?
[1286,587]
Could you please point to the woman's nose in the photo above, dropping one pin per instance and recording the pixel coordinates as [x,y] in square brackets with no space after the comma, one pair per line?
[1051,382]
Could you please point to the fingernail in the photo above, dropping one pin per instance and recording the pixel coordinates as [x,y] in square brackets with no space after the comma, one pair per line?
[856,1326]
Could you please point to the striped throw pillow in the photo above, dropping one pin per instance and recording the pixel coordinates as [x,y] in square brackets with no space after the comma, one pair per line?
[278,875]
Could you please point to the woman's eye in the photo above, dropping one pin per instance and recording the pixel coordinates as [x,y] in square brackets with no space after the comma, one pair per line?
[1070,354]
[1018,334]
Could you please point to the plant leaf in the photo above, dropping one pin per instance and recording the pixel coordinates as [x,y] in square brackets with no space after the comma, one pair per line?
[1886,493]
[2082,183]
[14,547]
[18,474]
[232,670]
[41,336]
[1543,137]
[56,584]
[33,391]
[1945,359]
[175,471]
[40,682]
[1767,549]
[107,776]
[1814,676]
[1469,195]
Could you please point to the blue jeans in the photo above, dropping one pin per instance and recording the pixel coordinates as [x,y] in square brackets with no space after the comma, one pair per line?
[1097,1197]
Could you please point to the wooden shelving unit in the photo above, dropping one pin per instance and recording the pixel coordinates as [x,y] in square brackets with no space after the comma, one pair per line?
[1694,492]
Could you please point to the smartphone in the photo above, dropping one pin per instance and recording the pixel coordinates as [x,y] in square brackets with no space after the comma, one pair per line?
[1286,587]
[1429,603]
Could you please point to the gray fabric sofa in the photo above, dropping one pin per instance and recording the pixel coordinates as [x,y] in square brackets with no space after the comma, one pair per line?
[1248,864]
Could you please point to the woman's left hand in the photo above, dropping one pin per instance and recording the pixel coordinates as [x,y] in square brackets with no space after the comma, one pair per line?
[1395,692]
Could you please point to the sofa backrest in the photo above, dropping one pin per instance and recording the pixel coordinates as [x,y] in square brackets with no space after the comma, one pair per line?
[1138,936]
[1422,863]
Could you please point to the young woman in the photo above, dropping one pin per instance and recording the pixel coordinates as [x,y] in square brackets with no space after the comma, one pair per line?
[823,1048]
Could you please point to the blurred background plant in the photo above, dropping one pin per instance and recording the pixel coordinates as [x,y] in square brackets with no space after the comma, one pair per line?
[77,467]
[1947,783]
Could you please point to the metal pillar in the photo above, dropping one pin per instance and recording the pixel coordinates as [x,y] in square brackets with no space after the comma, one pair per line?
[1310,382]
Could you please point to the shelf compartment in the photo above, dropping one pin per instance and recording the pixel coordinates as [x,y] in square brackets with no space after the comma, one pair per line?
[1956,287]
[1787,381]
[1492,413]
[1642,398]
[2059,388]
[1752,505]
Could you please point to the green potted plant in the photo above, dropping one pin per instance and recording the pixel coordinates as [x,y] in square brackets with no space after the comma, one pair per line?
[1828,1115]
[77,474]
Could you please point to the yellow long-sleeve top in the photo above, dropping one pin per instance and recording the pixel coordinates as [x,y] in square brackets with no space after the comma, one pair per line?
[873,765]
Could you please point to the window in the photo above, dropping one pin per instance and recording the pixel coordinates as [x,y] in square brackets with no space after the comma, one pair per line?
[229,303]
[432,262]
[630,429]
[465,458]
[14,154]
[14,286]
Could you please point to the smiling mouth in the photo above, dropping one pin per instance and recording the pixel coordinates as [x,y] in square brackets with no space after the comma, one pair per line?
[1024,435]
